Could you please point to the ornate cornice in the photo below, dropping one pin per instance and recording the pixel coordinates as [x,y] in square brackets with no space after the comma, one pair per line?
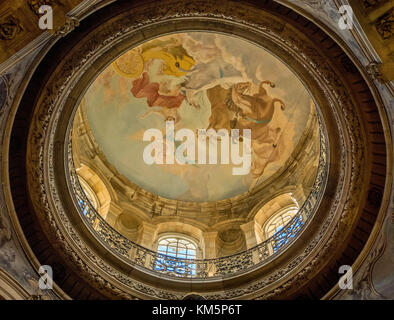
[329,89]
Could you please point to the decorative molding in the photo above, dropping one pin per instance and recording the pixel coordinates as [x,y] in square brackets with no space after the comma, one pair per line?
[385,25]
[3,92]
[363,288]
[46,198]
[77,13]
[10,289]
[87,7]
[70,24]
[361,45]
[373,70]
[315,4]
[36,4]
[10,27]
[5,228]
[33,46]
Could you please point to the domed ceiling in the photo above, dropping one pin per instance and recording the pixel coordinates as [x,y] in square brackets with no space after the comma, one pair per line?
[197,80]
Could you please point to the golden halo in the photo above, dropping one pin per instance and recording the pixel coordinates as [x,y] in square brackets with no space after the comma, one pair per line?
[129,65]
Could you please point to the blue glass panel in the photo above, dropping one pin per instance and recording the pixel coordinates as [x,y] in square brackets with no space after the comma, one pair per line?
[284,234]
[84,206]
[172,257]
[171,249]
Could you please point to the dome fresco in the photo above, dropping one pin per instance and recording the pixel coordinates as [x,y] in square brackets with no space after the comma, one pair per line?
[197,80]
[109,120]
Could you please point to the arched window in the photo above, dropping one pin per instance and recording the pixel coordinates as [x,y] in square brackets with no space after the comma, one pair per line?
[283,226]
[90,194]
[174,255]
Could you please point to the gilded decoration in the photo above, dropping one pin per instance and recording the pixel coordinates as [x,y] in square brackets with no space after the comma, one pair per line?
[46,196]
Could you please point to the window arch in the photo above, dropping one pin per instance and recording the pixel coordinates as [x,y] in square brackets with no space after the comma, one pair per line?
[174,255]
[283,226]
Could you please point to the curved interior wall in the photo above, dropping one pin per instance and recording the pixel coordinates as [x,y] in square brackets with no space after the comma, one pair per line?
[367,152]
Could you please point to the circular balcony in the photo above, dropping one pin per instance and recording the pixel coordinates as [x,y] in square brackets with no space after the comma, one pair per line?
[201,269]
[67,232]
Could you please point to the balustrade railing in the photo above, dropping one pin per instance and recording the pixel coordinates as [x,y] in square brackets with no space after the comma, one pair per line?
[160,264]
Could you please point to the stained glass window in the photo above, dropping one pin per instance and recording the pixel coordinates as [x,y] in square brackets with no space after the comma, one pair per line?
[283,227]
[174,255]
[84,206]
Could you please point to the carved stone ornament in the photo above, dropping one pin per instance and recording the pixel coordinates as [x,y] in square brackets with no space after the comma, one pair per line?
[363,287]
[385,25]
[36,4]
[130,29]
[373,70]
[10,28]
[70,24]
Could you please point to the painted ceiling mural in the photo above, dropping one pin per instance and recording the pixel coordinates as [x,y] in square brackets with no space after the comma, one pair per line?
[197,80]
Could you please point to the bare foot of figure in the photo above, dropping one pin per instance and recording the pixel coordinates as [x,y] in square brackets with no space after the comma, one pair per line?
[189,94]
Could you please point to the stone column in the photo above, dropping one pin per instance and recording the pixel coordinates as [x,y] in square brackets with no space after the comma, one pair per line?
[147,235]
[298,195]
[210,245]
[113,213]
[251,237]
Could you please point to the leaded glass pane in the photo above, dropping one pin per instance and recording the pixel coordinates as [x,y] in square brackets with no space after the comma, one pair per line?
[175,255]
[283,227]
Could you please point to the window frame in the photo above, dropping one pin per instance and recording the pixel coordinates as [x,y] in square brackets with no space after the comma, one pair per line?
[279,240]
[175,263]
